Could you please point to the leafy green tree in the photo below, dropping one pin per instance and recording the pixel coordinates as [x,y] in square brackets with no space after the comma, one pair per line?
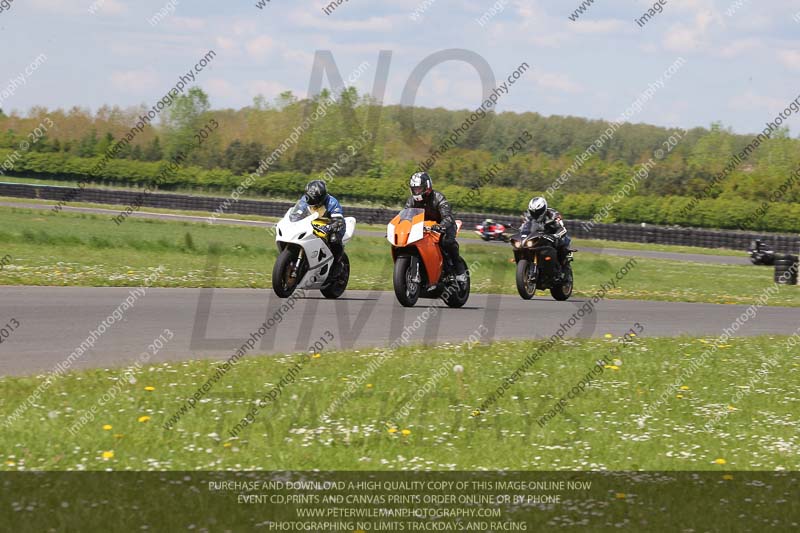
[136,153]
[183,119]
[104,144]
[87,147]
[153,152]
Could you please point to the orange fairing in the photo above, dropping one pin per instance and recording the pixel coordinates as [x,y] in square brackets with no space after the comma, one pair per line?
[409,228]
[431,253]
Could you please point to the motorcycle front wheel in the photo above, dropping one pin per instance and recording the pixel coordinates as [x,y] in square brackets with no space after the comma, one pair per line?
[405,288]
[526,282]
[284,276]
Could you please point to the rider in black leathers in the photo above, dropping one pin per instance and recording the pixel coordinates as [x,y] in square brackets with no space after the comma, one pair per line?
[437,209]
[551,222]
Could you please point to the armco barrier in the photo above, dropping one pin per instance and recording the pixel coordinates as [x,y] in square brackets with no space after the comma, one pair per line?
[706,238]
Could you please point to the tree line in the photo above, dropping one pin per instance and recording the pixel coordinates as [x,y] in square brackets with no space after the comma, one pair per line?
[401,139]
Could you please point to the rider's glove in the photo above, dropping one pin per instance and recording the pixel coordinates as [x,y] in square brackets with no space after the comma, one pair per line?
[438,228]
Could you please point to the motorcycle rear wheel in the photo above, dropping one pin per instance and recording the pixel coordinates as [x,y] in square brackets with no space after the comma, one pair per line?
[563,291]
[458,293]
[337,286]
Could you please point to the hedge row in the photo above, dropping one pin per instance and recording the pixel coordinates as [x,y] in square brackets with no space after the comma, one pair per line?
[390,191]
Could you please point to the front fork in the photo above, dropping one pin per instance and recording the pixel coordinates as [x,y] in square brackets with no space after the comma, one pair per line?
[416,278]
[297,263]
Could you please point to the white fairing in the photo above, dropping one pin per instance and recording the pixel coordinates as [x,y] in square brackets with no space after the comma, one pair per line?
[350,228]
[417,232]
[315,249]
[390,233]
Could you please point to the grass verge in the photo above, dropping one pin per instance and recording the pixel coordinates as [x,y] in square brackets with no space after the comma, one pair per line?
[90,250]
[410,410]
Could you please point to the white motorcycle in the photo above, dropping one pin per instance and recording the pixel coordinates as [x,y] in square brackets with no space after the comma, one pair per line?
[305,260]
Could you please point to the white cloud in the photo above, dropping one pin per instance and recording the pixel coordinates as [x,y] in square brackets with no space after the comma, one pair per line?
[604,26]
[260,47]
[684,37]
[790,58]
[94,7]
[186,23]
[750,100]
[556,82]
[112,7]
[537,27]
[229,45]
[134,80]
[268,88]
[222,89]
[302,18]
[740,46]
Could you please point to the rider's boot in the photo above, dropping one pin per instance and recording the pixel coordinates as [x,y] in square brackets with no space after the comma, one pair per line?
[338,251]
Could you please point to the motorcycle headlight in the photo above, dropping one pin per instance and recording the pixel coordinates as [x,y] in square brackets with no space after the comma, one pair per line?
[516,244]
[529,244]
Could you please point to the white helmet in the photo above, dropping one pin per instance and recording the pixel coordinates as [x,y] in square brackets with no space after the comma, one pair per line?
[537,207]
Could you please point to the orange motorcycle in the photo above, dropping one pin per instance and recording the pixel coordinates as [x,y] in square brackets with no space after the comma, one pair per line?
[418,261]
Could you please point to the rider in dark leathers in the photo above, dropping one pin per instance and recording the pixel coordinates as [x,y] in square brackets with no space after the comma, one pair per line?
[437,209]
[551,222]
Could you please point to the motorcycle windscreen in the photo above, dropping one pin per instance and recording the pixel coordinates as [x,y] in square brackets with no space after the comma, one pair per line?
[531,227]
[299,212]
[408,226]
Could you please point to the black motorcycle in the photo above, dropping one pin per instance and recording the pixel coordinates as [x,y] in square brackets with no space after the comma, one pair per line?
[760,253]
[538,264]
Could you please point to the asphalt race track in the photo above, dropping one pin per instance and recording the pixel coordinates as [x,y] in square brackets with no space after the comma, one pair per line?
[674,256]
[54,321]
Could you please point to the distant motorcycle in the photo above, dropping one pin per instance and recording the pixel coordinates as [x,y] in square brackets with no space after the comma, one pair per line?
[491,231]
[537,264]
[760,253]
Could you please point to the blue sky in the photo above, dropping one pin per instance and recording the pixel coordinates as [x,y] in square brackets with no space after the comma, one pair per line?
[741,68]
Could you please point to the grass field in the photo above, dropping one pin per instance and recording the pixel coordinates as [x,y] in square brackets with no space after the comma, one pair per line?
[90,250]
[466,234]
[410,410]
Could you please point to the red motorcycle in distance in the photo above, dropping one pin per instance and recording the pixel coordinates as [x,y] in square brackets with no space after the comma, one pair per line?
[491,231]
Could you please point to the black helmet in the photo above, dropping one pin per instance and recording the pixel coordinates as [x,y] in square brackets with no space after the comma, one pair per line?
[316,193]
[421,185]
[537,207]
